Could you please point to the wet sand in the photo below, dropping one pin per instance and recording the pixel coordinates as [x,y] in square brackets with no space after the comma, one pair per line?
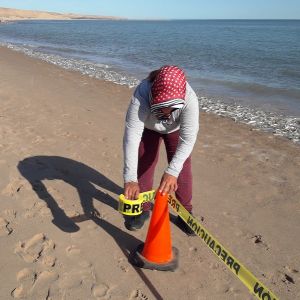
[61,165]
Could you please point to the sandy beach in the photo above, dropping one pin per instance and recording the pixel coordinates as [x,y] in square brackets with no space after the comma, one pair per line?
[61,163]
[10,14]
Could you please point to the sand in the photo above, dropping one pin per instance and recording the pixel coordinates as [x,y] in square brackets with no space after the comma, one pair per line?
[11,14]
[61,164]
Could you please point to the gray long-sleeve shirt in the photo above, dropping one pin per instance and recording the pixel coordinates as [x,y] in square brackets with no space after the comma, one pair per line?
[185,119]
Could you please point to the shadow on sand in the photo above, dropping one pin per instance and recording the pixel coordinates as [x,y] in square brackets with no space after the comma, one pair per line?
[38,168]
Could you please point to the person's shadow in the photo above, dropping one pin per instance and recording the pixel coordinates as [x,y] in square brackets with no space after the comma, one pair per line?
[89,184]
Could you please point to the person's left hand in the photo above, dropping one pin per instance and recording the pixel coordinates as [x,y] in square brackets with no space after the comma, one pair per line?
[168,184]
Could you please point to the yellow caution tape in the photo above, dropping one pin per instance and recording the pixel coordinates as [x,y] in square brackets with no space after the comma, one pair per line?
[247,278]
[134,207]
[130,207]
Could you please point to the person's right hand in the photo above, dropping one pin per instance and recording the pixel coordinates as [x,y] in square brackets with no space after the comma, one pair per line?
[131,190]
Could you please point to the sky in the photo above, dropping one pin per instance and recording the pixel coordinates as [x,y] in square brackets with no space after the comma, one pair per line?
[168,9]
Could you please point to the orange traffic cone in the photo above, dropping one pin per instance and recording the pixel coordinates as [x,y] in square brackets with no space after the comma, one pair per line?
[157,251]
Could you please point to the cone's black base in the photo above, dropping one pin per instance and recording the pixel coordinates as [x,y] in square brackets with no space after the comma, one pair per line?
[136,258]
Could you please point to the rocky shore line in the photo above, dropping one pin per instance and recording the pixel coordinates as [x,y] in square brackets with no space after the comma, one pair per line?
[279,125]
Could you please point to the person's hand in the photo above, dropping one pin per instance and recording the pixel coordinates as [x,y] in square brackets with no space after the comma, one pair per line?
[168,184]
[131,190]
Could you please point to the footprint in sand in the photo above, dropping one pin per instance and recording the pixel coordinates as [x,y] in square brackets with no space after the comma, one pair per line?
[49,261]
[101,291]
[42,284]
[26,279]
[11,214]
[71,280]
[5,229]
[34,285]
[138,294]
[257,239]
[15,186]
[81,283]
[36,249]
[38,208]
[72,251]
[123,264]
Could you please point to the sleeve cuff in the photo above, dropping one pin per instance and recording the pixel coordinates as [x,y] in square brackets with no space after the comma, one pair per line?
[172,172]
[130,179]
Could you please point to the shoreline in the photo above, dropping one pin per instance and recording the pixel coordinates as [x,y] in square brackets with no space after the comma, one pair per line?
[279,125]
[61,162]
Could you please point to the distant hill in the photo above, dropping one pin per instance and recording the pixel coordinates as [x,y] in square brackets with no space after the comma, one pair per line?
[10,14]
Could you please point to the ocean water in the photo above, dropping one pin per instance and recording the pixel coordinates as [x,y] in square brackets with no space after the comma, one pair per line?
[252,63]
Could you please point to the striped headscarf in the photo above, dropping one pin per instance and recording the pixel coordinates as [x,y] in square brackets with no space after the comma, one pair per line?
[168,89]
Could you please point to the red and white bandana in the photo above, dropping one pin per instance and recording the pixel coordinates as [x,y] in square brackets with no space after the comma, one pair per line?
[168,89]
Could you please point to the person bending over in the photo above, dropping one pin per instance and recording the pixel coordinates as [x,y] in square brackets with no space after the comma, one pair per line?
[163,107]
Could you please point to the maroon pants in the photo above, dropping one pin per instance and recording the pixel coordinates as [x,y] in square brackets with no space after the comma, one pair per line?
[148,157]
